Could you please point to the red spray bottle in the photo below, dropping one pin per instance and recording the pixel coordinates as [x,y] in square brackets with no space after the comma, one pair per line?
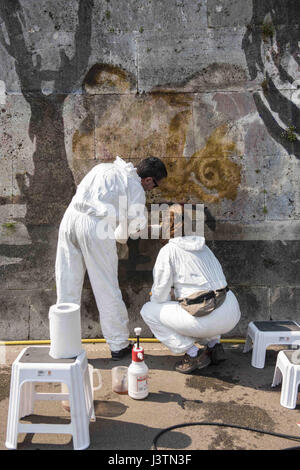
[138,371]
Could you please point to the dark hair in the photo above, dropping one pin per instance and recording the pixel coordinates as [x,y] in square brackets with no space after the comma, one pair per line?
[153,167]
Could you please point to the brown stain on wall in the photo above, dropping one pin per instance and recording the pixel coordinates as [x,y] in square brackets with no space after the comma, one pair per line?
[107,78]
[213,167]
[208,174]
[136,126]
[83,144]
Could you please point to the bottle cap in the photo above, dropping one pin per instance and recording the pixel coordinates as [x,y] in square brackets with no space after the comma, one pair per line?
[137,354]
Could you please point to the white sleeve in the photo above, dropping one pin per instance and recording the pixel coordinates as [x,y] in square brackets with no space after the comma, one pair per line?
[121,232]
[136,218]
[162,277]
[136,206]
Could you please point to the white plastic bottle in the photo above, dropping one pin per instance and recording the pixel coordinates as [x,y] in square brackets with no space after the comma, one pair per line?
[138,372]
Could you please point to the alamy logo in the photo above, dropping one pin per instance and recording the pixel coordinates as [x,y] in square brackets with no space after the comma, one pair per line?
[163,221]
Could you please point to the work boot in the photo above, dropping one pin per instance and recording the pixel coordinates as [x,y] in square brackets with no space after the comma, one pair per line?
[117,355]
[189,364]
[216,354]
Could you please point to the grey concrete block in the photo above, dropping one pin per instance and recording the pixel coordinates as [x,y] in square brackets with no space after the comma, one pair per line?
[212,60]
[79,130]
[34,263]
[228,13]
[90,324]
[51,54]
[6,187]
[116,49]
[39,302]
[234,105]
[267,230]
[279,113]
[8,71]
[158,15]
[280,195]
[247,207]
[15,311]
[13,232]
[283,13]
[50,16]
[258,142]
[259,263]
[254,306]
[297,189]
[16,154]
[284,303]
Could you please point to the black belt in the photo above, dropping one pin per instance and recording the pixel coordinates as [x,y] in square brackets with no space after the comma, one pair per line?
[207,296]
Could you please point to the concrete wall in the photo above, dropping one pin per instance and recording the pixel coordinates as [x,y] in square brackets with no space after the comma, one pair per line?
[210,86]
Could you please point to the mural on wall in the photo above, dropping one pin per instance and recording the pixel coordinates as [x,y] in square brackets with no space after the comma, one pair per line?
[213,132]
[161,124]
[271,46]
[49,189]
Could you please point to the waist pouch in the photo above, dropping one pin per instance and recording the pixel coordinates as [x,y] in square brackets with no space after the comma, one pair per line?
[202,303]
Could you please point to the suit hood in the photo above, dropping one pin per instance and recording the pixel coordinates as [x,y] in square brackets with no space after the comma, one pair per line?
[189,243]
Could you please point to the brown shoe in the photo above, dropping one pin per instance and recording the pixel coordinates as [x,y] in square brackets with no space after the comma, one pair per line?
[216,354]
[203,359]
[189,364]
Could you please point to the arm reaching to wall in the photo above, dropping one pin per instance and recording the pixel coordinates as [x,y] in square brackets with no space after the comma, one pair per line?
[162,277]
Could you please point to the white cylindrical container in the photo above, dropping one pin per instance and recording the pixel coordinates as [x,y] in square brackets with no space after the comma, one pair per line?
[119,380]
[138,375]
[65,330]
[92,371]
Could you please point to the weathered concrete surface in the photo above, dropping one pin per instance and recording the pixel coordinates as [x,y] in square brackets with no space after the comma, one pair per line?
[212,87]
[232,393]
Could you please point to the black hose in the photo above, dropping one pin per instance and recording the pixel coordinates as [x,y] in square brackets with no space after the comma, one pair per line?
[236,426]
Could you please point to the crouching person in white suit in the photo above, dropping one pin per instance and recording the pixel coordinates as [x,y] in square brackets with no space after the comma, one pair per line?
[188,265]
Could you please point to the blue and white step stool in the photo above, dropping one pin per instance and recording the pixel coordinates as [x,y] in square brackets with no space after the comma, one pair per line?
[261,334]
[33,365]
[287,371]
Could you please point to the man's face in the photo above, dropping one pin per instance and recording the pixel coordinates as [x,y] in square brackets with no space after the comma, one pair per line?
[150,183]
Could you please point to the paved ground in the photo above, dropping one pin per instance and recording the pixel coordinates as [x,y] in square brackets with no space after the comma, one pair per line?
[233,393]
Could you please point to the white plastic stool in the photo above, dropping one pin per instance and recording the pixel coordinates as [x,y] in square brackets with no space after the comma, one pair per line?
[264,333]
[287,370]
[34,365]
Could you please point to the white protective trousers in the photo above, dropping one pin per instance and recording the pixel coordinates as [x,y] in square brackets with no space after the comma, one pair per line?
[187,264]
[79,249]
[178,330]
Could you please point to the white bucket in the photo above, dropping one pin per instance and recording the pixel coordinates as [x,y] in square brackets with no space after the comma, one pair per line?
[65,330]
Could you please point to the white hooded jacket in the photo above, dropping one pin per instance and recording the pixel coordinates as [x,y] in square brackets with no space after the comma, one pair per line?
[100,191]
[80,246]
[188,265]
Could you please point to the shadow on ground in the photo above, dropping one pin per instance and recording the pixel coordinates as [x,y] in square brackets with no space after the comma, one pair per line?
[235,370]
[140,436]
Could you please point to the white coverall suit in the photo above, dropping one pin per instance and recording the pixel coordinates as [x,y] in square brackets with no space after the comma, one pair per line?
[187,264]
[80,247]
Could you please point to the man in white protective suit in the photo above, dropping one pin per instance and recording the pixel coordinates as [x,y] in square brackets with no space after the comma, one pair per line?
[109,205]
[189,266]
